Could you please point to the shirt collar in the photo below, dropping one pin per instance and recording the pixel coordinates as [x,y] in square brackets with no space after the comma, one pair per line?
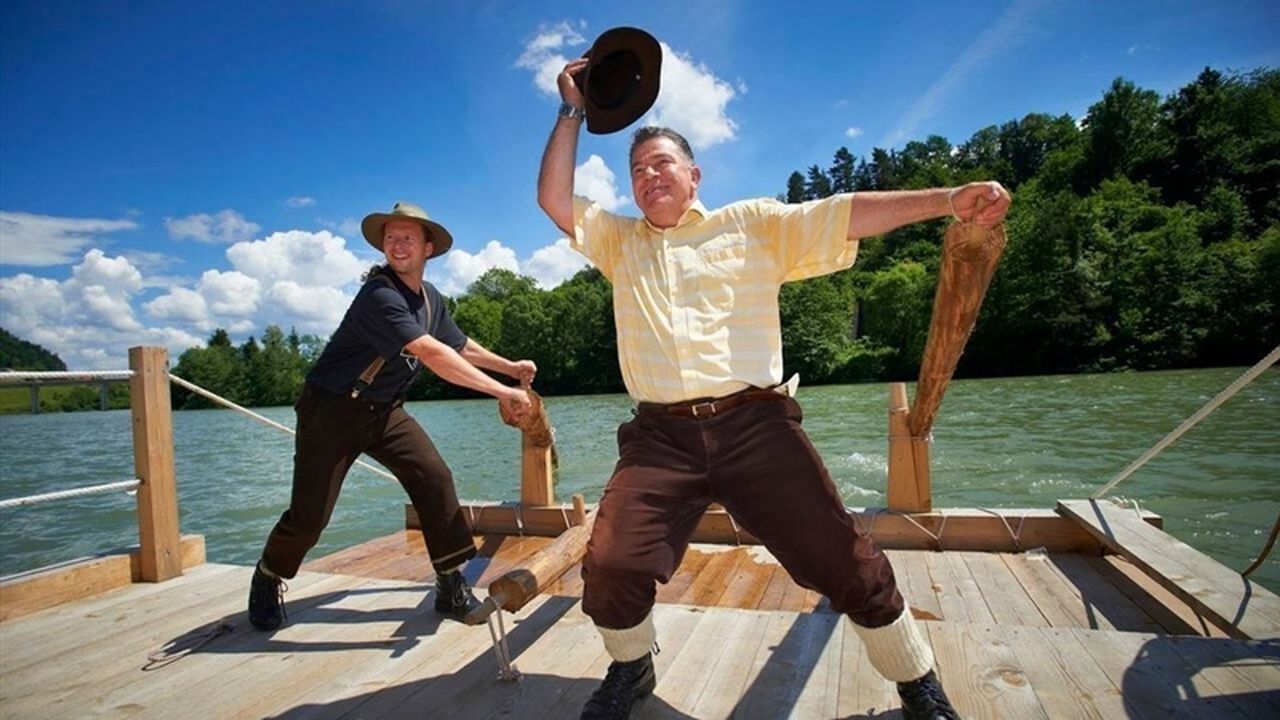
[696,211]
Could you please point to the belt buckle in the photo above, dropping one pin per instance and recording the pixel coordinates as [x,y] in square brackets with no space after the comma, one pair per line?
[697,408]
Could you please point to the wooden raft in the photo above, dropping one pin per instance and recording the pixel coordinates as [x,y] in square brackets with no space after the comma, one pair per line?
[1239,606]
[360,648]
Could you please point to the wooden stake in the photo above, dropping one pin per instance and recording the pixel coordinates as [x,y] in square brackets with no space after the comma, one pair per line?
[160,557]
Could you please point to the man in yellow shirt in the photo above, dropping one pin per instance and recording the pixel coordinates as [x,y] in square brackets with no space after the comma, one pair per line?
[695,296]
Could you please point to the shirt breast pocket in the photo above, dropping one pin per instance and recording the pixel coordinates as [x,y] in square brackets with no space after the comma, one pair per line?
[725,257]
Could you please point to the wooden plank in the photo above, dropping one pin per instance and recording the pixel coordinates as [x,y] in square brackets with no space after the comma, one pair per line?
[1067,681]
[30,592]
[158,537]
[975,604]
[912,567]
[820,695]
[980,672]
[692,673]
[750,579]
[1155,683]
[1247,672]
[1004,595]
[1058,600]
[1236,604]
[1101,597]
[953,606]
[1169,612]
[790,649]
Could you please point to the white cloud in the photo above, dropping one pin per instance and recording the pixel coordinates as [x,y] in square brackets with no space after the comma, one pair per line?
[461,268]
[541,55]
[594,180]
[692,101]
[345,228]
[87,319]
[230,293]
[43,240]
[853,132]
[227,226]
[1014,27]
[314,309]
[300,201]
[307,258]
[553,264]
[181,305]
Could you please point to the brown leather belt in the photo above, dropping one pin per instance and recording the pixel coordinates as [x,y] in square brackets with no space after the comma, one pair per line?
[710,407]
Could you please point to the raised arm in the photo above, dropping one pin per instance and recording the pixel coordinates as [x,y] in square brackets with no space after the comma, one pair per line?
[482,357]
[555,177]
[453,368]
[876,213]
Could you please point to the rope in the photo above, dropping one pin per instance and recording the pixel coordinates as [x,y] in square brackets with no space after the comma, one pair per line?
[506,670]
[126,485]
[520,519]
[565,514]
[737,539]
[1192,421]
[176,650]
[937,539]
[1015,536]
[51,376]
[1271,541]
[268,421]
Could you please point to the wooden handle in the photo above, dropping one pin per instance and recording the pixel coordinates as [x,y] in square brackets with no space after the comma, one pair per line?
[517,587]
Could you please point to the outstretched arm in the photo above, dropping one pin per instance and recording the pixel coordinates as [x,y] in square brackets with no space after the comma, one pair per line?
[453,368]
[876,213]
[555,177]
[482,357]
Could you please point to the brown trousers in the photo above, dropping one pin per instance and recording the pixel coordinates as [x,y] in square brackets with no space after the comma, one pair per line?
[333,430]
[756,461]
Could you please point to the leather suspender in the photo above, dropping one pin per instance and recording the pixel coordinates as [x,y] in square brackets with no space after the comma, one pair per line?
[366,378]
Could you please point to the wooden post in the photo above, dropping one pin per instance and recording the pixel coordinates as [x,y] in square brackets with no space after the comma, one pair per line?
[909,489]
[535,473]
[153,463]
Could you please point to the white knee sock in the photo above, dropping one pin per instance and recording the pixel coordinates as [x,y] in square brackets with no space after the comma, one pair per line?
[630,643]
[898,650]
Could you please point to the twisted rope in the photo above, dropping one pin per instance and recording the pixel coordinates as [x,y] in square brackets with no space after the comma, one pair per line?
[86,376]
[125,485]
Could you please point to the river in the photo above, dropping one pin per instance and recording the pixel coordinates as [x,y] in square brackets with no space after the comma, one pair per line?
[1007,442]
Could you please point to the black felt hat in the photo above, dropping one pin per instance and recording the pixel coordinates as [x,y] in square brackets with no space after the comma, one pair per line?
[620,82]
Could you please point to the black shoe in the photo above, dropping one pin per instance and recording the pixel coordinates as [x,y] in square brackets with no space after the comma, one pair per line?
[266,601]
[923,699]
[623,685]
[454,598]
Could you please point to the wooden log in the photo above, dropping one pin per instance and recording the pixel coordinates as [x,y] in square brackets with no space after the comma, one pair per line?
[969,257]
[517,587]
[153,463]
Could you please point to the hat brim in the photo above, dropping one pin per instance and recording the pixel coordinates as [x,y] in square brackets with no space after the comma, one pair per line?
[620,82]
[372,225]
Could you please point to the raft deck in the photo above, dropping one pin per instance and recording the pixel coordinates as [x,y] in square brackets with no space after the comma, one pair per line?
[1016,635]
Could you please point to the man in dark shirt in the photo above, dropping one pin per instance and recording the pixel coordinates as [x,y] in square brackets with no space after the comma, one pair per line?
[352,404]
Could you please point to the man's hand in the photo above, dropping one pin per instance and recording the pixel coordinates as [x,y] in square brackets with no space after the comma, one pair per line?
[524,371]
[516,402]
[569,91]
[965,200]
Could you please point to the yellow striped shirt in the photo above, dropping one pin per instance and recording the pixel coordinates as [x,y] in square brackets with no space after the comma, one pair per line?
[696,305]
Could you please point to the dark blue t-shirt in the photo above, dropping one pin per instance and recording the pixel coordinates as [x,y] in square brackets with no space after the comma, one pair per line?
[382,319]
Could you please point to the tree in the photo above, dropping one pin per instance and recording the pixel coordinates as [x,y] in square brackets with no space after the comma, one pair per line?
[795,188]
[844,171]
[501,284]
[18,354]
[817,184]
[1122,135]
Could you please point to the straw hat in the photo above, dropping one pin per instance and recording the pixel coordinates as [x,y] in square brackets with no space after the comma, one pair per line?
[373,223]
[620,82]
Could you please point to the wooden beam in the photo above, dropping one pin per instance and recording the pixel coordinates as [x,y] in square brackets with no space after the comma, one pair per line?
[153,463]
[964,528]
[1236,604]
[36,590]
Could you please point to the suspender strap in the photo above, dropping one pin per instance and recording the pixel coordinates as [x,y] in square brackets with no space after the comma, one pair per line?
[371,372]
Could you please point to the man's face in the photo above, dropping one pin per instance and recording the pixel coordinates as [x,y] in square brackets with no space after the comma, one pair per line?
[663,181]
[405,244]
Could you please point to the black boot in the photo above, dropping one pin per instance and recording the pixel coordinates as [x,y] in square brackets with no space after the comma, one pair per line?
[266,600]
[623,685]
[454,598]
[923,699]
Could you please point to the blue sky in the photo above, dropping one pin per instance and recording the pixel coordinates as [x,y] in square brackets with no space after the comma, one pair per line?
[168,168]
